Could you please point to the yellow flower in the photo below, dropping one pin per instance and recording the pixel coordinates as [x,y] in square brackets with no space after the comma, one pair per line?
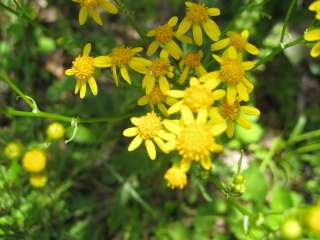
[83,68]
[314,35]
[34,161]
[159,69]
[176,177]
[238,41]
[233,113]
[156,98]
[199,95]
[122,57]
[163,36]
[315,7]
[149,129]
[38,180]
[313,219]
[90,7]
[194,138]
[191,61]
[198,16]
[232,71]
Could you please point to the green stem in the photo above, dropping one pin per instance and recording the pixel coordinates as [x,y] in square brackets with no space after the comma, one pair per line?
[286,20]
[309,148]
[15,88]
[278,50]
[47,115]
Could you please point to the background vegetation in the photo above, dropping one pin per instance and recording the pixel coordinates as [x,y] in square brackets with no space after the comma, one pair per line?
[96,189]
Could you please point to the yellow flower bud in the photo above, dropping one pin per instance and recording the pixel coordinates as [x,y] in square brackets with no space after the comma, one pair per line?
[55,131]
[34,161]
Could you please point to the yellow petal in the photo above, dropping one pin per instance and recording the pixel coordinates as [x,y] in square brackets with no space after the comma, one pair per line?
[211,77]
[172,126]
[185,164]
[83,15]
[93,86]
[250,110]
[115,75]
[173,49]
[173,21]
[96,16]
[184,75]
[217,58]
[313,35]
[109,7]
[218,94]
[315,51]
[217,129]
[243,92]
[87,49]
[160,143]
[165,135]
[232,53]
[184,27]
[77,88]
[231,94]
[206,163]
[151,149]
[125,75]
[102,61]
[175,107]
[153,47]
[211,29]
[251,49]
[202,116]
[139,65]
[247,65]
[164,84]
[200,71]
[221,44]
[244,123]
[187,115]
[315,6]
[230,129]
[245,34]
[70,72]
[143,101]
[135,143]
[197,34]
[83,90]
[135,121]
[149,83]
[130,132]
[213,12]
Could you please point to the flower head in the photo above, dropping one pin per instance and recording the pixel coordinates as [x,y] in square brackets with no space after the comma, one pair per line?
[122,57]
[148,128]
[199,95]
[192,61]
[232,113]
[313,219]
[83,68]
[198,16]
[176,177]
[34,161]
[90,7]
[315,7]
[312,36]
[156,98]
[164,38]
[194,137]
[38,180]
[237,40]
[232,71]
[159,69]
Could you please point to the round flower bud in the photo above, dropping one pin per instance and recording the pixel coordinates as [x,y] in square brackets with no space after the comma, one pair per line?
[13,150]
[38,180]
[34,161]
[313,219]
[238,179]
[291,229]
[55,131]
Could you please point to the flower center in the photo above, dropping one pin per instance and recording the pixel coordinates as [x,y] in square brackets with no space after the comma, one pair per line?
[197,13]
[192,59]
[159,67]
[175,177]
[164,33]
[149,125]
[156,95]
[230,112]
[90,3]
[194,142]
[237,41]
[83,67]
[231,71]
[197,97]
[121,56]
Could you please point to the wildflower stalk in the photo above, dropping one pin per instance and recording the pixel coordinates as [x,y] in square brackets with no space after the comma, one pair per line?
[286,20]
[130,20]
[278,50]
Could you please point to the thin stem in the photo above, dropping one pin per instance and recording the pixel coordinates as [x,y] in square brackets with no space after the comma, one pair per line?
[15,88]
[47,115]
[278,50]
[286,20]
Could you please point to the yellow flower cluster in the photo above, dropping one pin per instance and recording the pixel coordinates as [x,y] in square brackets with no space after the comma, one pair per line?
[190,105]
[314,34]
